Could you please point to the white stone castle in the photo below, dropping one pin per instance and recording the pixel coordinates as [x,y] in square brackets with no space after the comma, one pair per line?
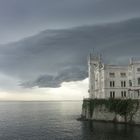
[113,81]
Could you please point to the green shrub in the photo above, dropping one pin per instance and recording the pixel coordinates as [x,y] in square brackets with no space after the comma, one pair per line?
[123,107]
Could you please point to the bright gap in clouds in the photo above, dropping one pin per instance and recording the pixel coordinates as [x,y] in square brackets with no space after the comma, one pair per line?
[68,91]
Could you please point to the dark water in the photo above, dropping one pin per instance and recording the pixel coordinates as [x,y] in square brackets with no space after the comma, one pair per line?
[56,121]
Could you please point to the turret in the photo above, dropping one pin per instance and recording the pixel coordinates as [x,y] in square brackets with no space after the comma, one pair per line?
[94,62]
[131,60]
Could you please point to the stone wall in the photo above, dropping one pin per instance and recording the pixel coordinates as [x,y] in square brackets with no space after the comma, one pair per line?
[102,113]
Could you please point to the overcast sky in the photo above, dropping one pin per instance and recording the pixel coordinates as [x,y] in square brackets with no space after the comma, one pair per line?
[45,44]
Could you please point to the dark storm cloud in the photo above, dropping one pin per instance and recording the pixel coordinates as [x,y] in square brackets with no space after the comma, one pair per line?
[20,18]
[67,75]
[55,56]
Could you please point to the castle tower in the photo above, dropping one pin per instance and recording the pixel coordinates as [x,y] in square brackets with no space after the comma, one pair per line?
[94,62]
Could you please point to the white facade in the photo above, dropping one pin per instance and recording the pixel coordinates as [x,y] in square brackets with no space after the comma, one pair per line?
[113,81]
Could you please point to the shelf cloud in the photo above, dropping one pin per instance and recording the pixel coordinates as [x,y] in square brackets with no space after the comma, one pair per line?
[60,55]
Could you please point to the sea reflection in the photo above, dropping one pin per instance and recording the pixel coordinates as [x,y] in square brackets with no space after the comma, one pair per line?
[56,121]
[109,131]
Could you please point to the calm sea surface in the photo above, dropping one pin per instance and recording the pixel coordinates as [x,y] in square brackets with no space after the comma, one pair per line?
[56,121]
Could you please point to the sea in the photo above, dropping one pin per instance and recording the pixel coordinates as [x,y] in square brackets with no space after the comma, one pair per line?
[56,120]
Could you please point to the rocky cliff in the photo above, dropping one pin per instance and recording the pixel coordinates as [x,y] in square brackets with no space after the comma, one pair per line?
[114,110]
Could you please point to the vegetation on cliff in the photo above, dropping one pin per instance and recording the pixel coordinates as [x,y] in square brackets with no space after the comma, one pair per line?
[123,107]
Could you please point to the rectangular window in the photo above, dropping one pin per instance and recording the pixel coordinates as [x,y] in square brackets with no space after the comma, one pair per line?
[139,81]
[123,94]
[112,94]
[138,69]
[123,83]
[112,83]
[112,74]
[130,83]
[123,74]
